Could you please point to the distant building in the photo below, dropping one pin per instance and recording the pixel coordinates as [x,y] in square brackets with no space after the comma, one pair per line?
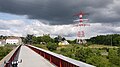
[14,40]
[63,43]
[2,42]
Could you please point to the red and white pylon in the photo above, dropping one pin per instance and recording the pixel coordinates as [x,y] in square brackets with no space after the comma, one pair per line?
[80,24]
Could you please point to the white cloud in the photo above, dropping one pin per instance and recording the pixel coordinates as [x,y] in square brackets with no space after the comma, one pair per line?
[21,28]
[9,33]
[69,31]
[8,24]
[12,22]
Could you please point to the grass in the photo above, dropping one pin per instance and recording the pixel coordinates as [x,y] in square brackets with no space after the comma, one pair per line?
[74,45]
[101,46]
[41,46]
[71,51]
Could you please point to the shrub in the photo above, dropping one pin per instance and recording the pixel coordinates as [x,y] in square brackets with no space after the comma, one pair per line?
[4,51]
[113,57]
[98,61]
[52,46]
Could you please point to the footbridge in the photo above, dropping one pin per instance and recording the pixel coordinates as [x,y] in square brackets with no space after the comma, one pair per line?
[31,56]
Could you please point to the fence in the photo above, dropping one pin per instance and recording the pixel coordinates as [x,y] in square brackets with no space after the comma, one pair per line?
[58,59]
[9,58]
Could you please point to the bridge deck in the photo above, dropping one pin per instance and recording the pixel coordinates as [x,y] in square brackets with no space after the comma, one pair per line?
[32,59]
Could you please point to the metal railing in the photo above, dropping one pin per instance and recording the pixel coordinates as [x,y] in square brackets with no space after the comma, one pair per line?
[5,62]
[58,59]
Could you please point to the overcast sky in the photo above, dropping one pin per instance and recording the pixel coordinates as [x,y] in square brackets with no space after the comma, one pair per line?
[55,17]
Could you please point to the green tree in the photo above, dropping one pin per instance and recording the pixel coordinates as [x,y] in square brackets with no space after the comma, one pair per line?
[28,39]
[113,57]
[118,51]
[34,40]
[4,51]
[113,39]
[47,38]
[72,41]
[83,53]
[52,46]
[98,61]
[116,41]
[58,39]
[69,52]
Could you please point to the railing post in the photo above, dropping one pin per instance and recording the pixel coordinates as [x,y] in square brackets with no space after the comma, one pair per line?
[50,59]
[44,55]
[39,53]
[60,63]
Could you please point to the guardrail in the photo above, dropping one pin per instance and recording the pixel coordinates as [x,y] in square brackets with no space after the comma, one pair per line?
[9,58]
[58,59]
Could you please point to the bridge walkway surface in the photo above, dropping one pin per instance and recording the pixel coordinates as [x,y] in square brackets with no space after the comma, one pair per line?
[32,59]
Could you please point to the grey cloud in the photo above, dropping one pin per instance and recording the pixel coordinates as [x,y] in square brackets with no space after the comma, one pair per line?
[107,31]
[3,27]
[104,29]
[55,11]
[70,35]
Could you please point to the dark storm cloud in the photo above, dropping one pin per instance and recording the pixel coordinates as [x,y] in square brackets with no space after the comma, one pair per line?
[57,11]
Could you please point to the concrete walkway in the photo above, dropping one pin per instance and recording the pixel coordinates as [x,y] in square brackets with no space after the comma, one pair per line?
[32,59]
